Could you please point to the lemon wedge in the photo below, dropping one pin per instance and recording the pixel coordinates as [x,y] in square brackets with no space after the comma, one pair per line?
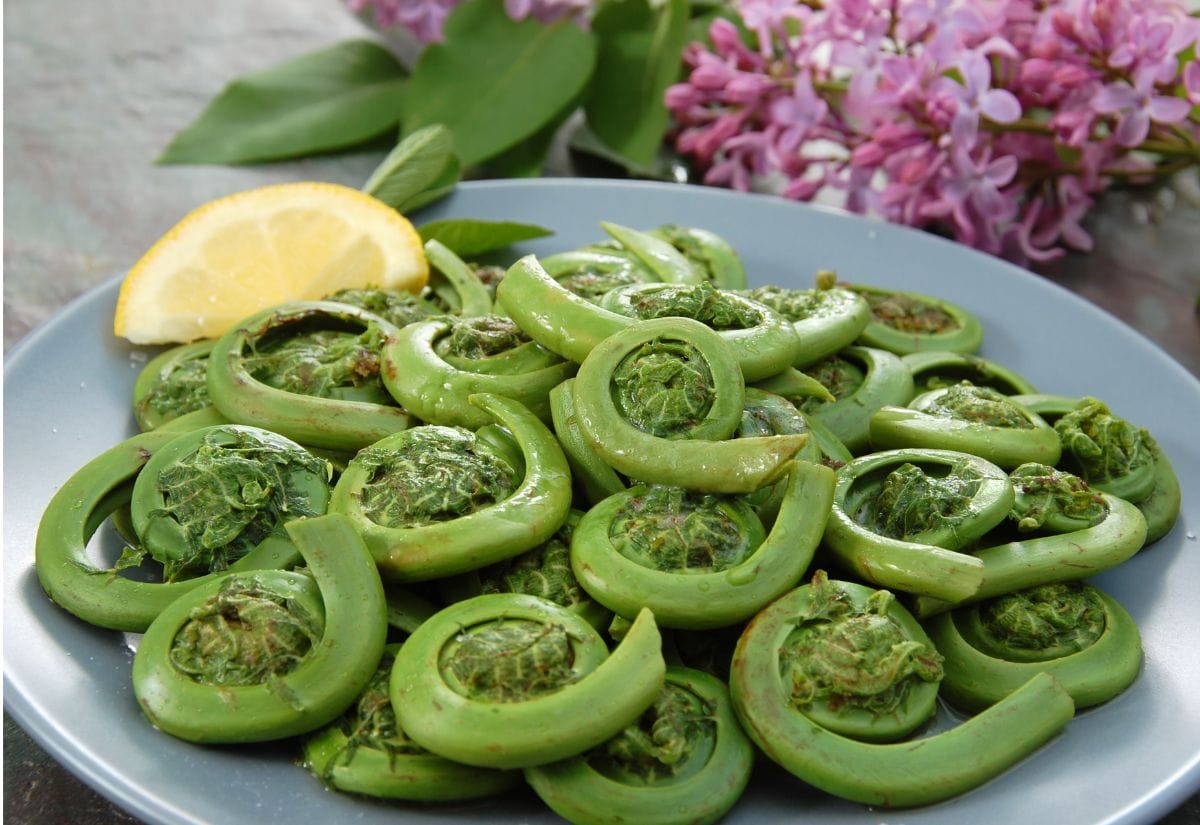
[254,249]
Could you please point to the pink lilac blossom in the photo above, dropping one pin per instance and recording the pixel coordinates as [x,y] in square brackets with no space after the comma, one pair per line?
[999,123]
[425,19]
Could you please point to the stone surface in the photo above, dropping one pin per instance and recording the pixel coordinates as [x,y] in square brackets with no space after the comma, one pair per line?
[94,91]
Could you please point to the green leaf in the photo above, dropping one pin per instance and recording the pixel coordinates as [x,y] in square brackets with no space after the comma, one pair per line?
[640,55]
[666,164]
[494,81]
[468,237]
[418,162]
[442,186]
[329,99]
[528,158]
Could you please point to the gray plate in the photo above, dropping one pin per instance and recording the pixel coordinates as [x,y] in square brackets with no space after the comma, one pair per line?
[67,389]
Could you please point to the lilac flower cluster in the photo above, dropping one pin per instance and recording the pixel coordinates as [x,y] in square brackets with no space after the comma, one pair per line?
[426,18]
[997,121]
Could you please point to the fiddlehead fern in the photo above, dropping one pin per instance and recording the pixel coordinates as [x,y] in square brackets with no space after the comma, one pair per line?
[699,561]
[1107,451]
[708,252]
[366,751]
[1072,630]
[98,595]
[173,383]
[904,322]
[509,681]
[397,307]
[763,342]
[970,419]
[454,285]
[862,380]
[766,414]
[660,256]
[803,638]
[593,479]
[1114,456]
[899,518]
[211,495]
[571,326]
[432,367]
[684,760]
[591,272]
[659,401]
[264,655]
[935,369]
[551,314]
[1076,533]
[434,501]
[545,572]
[310,371]
[826,319]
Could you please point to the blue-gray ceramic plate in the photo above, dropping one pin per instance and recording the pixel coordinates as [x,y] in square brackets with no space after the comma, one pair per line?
[67,389]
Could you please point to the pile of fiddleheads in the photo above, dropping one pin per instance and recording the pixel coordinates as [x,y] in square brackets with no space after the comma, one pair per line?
[607,524]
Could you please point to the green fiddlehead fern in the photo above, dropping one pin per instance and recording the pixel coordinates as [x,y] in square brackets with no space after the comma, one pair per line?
[397,307]
[686,759]
[435,501]
[862,380]
[1115,456]
[432,367]
[100,595]
[572,326]
[454,284]
[172,383]
[310,371]
[901,517]
[1076,533]
[264,655]
[211,495]
[591,272]
[1107,451]
[904,322]
[545,572]
[970,419]
[660,256]
[799,648]
[708,252]
[510,681]
[766,414]
[659,402]
[366,752]
[554,316]
[594,480]
[1073,631]
[699,561]
[763,341]
[826,319]
[935,369]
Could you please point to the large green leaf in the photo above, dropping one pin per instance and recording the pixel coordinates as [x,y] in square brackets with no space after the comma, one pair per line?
[495,81]
[423,162]
[334,98]
[640,53]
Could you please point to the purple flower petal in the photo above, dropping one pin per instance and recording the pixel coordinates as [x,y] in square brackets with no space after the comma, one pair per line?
[1168,109]
[1002,170]
[1000,105]
[1133,128]
[1115,97]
